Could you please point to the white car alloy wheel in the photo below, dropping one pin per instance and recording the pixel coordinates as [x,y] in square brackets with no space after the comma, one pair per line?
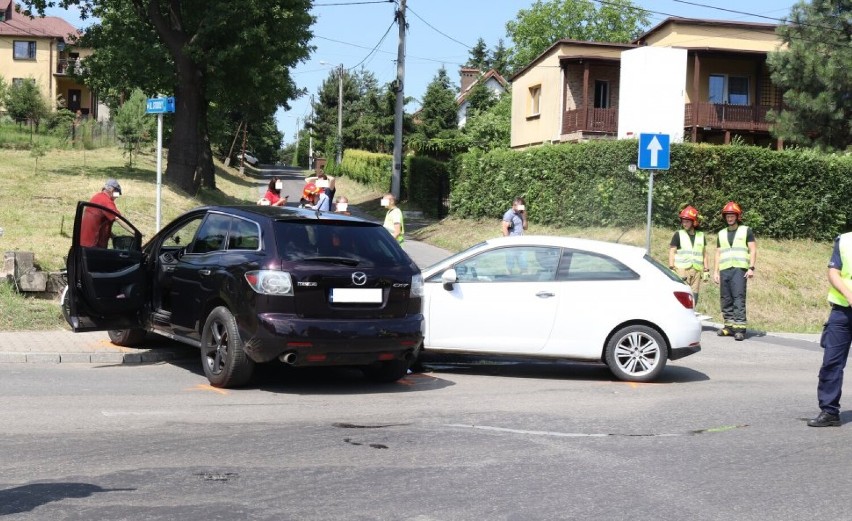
[636,354]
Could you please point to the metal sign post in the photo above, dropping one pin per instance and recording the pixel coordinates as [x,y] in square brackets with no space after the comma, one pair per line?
[654,154]
[160,106]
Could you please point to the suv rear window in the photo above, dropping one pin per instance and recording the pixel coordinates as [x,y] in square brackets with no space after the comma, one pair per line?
[353,244]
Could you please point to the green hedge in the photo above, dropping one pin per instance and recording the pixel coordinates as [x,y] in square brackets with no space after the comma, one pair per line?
[367,168]
[423,179]
[788,194]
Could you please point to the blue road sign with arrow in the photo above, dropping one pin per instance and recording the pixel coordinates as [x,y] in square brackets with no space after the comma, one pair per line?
[654,151]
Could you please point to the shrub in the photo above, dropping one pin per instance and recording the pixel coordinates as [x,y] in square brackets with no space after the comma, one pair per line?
[787,194]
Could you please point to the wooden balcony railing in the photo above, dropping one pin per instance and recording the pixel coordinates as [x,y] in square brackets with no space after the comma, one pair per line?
[727,117]
[590,120]
[710,115]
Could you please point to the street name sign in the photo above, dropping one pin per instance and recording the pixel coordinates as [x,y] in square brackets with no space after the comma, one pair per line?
[160,105]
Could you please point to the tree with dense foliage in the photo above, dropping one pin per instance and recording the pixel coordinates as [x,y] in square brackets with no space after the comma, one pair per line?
[491,128]
[133,127]
[325,116]
[499,59]
[3,88]
[479,56]
[202,51]
[547,21]
[436,132]
[480,98]
[24,102]
[815,74]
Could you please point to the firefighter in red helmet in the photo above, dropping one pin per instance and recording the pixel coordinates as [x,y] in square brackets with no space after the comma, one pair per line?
[736,252]
[688,252]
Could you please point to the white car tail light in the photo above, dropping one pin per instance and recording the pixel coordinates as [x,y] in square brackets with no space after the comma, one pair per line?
[416,286]
[270,282]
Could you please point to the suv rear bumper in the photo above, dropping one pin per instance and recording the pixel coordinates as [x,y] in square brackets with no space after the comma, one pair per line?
[332,342]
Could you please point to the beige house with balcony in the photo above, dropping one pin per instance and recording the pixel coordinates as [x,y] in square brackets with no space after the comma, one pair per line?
[570,92]
[42,50]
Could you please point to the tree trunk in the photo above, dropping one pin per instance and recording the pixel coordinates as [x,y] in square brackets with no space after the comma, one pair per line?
[190,159]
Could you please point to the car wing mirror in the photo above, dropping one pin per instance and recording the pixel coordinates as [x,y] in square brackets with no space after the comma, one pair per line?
[449,278]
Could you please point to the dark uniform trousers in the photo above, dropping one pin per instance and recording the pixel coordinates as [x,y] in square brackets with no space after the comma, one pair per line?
[732,293]
[835,341]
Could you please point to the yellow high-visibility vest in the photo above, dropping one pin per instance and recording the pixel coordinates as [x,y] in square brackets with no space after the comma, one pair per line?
[733,255]
[845,247]
[693,257]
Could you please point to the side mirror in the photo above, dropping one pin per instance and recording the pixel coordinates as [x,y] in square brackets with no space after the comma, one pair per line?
[448,278]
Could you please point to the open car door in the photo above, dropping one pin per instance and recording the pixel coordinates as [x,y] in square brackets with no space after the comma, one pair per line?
[107,281]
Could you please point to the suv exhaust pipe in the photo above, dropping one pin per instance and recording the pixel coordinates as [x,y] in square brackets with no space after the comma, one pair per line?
[288,358]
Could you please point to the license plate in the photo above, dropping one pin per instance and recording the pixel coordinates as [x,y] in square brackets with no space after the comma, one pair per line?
[356,296]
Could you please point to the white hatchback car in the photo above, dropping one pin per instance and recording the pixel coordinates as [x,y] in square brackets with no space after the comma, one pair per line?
[561,298]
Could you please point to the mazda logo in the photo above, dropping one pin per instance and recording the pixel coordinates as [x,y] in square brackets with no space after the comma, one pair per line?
[359,278]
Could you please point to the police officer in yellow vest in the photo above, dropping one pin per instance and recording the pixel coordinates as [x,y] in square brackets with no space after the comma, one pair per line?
[836,334]
[735,256]
[687,252]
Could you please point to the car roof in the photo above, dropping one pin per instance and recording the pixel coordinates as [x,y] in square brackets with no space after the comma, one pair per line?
[282,213]
[609,248]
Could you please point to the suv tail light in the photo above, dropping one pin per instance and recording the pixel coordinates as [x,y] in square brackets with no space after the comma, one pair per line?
[416,286]
[685,298]
[270,282]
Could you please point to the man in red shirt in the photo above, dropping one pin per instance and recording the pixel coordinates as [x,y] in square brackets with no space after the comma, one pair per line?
[96,227]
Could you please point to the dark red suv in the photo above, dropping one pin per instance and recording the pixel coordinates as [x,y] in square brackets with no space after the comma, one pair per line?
[254,284]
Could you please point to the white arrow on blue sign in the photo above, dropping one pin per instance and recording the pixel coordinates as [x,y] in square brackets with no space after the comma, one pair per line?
[654,151]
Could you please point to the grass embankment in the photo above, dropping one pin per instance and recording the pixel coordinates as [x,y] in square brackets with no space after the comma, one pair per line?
[787,294]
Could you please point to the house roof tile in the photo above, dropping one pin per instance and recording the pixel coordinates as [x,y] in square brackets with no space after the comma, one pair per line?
[40,27]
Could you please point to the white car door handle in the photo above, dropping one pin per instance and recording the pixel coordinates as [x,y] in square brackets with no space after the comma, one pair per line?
[545,294]
[204,272]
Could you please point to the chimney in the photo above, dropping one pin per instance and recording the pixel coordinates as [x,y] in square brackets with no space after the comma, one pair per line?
[468,76]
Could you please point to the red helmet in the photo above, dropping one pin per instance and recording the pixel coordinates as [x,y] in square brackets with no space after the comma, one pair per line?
[732,207]
[310,190]
[689,213]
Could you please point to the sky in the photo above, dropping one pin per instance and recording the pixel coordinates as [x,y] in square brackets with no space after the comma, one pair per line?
[441,33]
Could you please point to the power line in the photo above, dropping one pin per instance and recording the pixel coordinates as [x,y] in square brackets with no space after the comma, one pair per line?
[356,3]
[373,51]
[730,10]
[382,51]
[438,31]
[779,20]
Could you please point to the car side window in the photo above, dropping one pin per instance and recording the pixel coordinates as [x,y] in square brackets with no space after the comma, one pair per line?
[244,235]
[514,264]
[212,234]
[584,265]
[182,236]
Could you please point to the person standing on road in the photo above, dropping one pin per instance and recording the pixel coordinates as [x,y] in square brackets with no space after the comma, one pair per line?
[687,252]
[515,218]
[96,227]
[836,334]
[736,252]
[393,218]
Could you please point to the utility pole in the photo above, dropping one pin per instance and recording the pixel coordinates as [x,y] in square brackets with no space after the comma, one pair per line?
[340,115]
[311,137]
[396,175]
[296,152]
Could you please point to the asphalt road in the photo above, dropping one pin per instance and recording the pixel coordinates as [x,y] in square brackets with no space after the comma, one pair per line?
[721,436]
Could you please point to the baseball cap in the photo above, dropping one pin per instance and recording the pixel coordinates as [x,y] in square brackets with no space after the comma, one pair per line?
[112,183]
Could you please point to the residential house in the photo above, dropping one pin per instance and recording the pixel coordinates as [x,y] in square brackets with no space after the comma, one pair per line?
[470,77]
[570,92]
[42,50]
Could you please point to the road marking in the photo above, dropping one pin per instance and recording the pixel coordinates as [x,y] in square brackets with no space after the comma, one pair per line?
[206,387]
[567,434]
[135,413]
